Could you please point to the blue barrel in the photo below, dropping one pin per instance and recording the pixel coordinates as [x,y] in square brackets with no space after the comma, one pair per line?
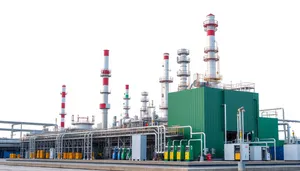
[6,154]
[119,154]
[115,154]
[279,153]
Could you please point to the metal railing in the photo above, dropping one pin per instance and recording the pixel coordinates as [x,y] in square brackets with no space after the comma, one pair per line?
[240,86]
[181,59]
[183,73]
[105,73]
[166,79]
[103,92]
[206,58]
[210,22]
[183,51]
[211,48]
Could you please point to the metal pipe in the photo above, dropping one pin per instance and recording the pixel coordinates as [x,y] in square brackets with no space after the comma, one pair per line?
[225,124]
[163,136]
[267,142]
[182,140]
[201,148]
[204,139]
[288,129]
[173,143]
[286,120]
[248,136]
[274,140]
[243,125]
[241,110]
[100,131]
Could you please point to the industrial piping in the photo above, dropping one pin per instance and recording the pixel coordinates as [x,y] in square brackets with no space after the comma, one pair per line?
[267,142]
[201,148]
[225,123]
[204,139]
[181,141]
[105,74]
[63,105]
[165,80]
[288,131]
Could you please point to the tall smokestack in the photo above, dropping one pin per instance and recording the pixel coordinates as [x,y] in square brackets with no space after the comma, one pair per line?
[105,74]
[165,80]
[212,74]
[63,105]
[126,103]
[183,73]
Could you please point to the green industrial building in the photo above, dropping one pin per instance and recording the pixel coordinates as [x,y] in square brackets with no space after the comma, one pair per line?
[203,109]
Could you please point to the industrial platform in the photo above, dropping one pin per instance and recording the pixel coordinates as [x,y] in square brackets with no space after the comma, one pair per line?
[152,165]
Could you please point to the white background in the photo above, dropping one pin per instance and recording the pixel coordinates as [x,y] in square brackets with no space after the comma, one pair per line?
[44,44]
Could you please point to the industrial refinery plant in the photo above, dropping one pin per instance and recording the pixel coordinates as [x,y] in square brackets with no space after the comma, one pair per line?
[204,119]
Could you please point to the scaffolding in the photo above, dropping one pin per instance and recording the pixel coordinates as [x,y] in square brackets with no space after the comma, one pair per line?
[89,143]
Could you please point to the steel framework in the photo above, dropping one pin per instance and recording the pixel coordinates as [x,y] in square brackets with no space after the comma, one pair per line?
[88,142]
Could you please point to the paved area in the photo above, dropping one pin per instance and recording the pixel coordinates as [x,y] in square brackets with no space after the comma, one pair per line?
[38,165]
[21,168]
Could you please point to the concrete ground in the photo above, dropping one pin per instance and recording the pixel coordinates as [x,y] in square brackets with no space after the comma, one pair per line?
[21,168]
[66,165]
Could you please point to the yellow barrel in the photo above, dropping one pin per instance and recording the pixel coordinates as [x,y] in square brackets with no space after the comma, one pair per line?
[73,156]
[31,155]
[76,155]
[65,155]
[42,154]
[80,155]
[47,155]
[69,155]
[38,154]
[18,156]
[58,155]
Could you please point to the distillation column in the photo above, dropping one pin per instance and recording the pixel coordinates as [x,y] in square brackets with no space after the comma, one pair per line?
[183,73]
[126,103]
[63,105]
[165,80]
[105,74]
[144,100]
[211,56]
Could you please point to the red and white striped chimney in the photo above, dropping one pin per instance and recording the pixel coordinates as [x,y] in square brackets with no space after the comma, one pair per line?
[63,105]
[105,74]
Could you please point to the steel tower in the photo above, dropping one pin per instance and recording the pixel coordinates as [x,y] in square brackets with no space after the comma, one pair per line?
[165,80]
[144,101]
[183,73]
[63,105]
[126,106]
[105,74]
[211,56]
